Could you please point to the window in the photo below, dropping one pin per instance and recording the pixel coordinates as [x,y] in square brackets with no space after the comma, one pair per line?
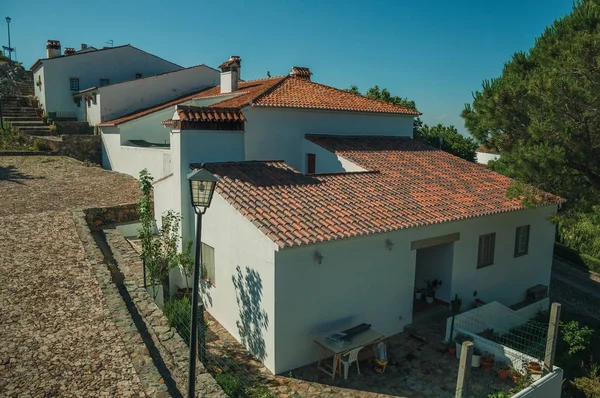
[485,254]
[311,163]
[78,102]
[74,83]
[208,264]
[138,75]
[522,241]
[104,82]
[95,98]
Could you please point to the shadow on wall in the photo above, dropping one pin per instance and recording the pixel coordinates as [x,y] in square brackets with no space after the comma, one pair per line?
[253,320]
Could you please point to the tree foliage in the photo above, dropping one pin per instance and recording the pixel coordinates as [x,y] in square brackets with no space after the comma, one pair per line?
[543,115]
[448,139]
[445,137]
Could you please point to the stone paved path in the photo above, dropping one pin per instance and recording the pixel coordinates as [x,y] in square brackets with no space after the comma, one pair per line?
[56,336]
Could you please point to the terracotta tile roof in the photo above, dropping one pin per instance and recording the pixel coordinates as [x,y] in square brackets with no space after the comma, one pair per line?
[416,185]
[246,91]
[303,93]
[209,114]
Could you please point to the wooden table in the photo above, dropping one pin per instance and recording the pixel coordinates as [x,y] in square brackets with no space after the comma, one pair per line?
[366,338]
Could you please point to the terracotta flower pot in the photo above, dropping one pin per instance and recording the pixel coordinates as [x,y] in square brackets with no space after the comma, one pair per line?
[503,373]
[516,376]
[487,365]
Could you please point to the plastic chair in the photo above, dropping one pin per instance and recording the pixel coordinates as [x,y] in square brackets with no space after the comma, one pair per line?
[349,358]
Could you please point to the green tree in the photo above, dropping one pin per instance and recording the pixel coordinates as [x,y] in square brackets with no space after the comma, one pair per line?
[543,115]
[448,139]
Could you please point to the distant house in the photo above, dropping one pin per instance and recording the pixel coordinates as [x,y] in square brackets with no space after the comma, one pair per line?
[327,213]
[485,154]
[58,76]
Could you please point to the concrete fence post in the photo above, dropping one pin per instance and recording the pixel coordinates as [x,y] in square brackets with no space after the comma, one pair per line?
[464,368]
[552,338]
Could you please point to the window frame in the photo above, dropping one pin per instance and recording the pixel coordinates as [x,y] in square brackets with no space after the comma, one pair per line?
[71,81]
[138,75]
[104,80]
[311,163]
[486,262]
[203,267]
[519,253]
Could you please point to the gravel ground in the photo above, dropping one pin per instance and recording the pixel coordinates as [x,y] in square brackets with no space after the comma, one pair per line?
[33,184]
[56,337]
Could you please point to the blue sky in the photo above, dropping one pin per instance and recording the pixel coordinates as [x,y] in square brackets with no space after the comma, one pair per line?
[436,52]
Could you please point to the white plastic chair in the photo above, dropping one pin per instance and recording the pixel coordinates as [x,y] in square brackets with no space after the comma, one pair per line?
[348,359]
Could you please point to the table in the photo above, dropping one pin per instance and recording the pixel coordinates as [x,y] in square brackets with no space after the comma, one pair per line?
[366,338]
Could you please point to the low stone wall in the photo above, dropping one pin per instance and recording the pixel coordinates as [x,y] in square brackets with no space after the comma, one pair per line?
[105,216]
[81,147]
[70,128]
[27,153]
[173,350]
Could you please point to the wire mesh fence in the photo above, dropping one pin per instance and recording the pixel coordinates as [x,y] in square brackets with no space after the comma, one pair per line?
[233,375]
[508,350]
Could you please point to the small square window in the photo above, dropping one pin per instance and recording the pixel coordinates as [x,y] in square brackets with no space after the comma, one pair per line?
[104,82]
[74,83]
[138,75]
[208,264]
[522,241]
[485,254]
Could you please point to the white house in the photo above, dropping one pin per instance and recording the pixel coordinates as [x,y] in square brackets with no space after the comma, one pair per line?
[57,76]
[327,214]
[485,154]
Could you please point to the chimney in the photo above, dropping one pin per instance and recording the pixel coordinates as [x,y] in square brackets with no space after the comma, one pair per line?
[300,72]
[69,50]
[52,48]
[83,46]
[230,74]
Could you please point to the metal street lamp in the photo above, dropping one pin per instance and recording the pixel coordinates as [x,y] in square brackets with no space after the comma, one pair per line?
[202,188]
[9,47]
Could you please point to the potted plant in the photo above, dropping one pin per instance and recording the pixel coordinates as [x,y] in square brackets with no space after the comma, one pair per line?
[451,348]
[418,293]
[476,358]
[431,287]
[534,367]
[45,117]
[503,369]
[459,339]
[52,129]
[487,361]
[456,304]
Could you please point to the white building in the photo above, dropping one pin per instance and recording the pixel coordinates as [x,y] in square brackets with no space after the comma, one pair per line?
[57,76]
[327,214]
[485,154]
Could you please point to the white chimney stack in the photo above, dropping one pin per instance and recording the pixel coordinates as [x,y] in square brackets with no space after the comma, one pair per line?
[52,48]
[230,74]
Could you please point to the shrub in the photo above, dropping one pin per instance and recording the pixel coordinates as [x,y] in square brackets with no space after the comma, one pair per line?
[41,145]
[579,259]
[231,385]
[178,313]
[260,392]
[52,128]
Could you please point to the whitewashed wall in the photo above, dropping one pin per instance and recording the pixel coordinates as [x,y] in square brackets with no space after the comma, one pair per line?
[484,158]
[130,159]
[243,297]
[127,97]
[147,128]
[92,111]
[326,161]
[40,92]
[279,133]
[360,281]
[117,65]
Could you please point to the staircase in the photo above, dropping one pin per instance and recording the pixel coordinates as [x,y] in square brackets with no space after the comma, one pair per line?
[22,117]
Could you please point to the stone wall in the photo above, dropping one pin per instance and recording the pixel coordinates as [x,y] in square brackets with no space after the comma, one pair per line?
[70,128]
[104,216]
[81,147]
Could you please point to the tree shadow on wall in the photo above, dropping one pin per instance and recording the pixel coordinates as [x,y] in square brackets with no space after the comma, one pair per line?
[253,319]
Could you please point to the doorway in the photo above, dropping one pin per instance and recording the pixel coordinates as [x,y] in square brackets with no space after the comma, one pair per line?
[434,263]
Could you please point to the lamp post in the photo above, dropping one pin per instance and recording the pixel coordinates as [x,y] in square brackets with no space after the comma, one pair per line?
[202,188]
[9,47]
